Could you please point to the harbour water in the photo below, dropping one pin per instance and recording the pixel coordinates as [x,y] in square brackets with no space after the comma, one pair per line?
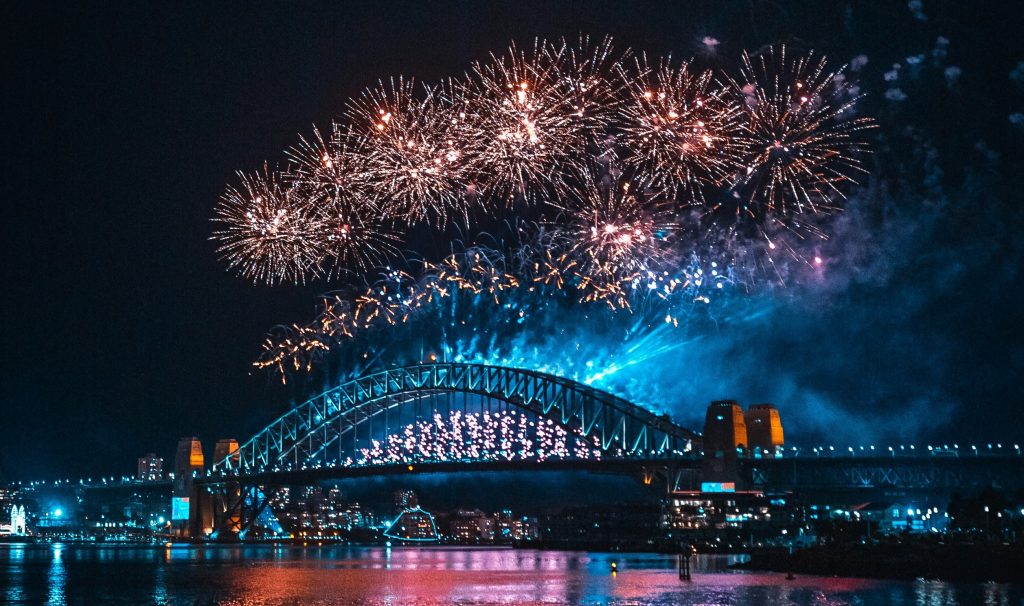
[288,575]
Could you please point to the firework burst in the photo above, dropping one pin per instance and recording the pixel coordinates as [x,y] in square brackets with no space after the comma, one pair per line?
[801,143]
[581,73]
[270,233]
[356,228]
[528,128]
[416,158]
[613,234]
[680,127]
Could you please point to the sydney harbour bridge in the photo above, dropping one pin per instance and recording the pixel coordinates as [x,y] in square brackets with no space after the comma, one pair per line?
[454,417]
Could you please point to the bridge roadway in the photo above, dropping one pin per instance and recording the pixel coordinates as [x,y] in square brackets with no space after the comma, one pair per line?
[784,474]
[789,473]
[645,468]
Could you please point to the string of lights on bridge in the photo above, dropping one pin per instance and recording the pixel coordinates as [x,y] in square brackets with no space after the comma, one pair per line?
[831,451]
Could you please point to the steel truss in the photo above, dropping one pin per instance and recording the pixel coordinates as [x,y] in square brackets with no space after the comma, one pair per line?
[310,435]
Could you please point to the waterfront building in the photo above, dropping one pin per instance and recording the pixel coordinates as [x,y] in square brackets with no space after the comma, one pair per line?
[149,468]
[413,524]
[404,499]
[471,526]
[17,526]
[690,511]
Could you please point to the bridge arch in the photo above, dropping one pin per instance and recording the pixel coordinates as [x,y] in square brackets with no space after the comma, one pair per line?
[304,437]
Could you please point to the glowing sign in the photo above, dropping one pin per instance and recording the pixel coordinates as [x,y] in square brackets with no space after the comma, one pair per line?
[179,508]
[718,486]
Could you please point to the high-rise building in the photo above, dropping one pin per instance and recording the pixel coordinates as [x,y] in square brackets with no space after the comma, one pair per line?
[511,528]
[764,428]
[150,468]
[471,526]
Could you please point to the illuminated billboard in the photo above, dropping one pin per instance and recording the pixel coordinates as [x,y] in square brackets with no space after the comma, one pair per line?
[179,508]
[718,486]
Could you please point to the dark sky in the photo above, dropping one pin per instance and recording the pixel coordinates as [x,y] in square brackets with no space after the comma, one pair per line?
[121,331]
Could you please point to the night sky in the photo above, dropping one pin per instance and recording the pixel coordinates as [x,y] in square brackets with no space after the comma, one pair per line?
[122,331]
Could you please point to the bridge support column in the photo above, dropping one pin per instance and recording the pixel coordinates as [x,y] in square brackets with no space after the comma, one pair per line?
[200,512]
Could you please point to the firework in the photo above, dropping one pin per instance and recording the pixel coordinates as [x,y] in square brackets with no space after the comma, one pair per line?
[270,233]
[615,233]
[291,348]
[528,129]
[680,127]
[582,75]
[801,145]
[416,158]
[648,187]
[355,227]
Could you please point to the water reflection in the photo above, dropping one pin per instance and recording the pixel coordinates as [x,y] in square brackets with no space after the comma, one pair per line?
[57,576]
[13,592]
[251,575]
[160,595]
